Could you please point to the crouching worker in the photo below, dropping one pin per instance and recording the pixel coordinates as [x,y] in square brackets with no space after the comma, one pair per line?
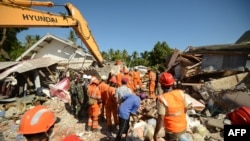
[37,124]
[129,105]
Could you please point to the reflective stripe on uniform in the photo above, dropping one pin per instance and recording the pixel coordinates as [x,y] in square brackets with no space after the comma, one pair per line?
[176,113]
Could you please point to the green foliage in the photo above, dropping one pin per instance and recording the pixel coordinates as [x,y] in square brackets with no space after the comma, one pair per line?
[31,39]
[158,54]
[17,51]
[10,44]
[72,36]
[154,58]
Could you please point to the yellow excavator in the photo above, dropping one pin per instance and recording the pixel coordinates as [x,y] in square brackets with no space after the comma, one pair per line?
[18,13]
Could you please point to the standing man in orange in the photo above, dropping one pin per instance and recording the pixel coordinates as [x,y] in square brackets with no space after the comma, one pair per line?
[130,82]
[119,77]
[111,104]
[95,104]
[103,86]
[171,108]
[137,78]
[151,82]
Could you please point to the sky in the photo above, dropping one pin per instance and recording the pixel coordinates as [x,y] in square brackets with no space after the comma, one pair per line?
[137,25]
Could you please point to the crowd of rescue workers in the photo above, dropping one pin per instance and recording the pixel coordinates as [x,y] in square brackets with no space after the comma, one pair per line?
[114,99]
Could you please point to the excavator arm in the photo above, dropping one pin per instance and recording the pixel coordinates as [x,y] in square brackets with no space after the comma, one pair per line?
[17,13]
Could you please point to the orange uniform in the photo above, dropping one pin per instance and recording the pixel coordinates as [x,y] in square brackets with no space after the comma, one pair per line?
[119,78]
[152,78]
[130,83]
[137,79]
[175,117]
[94,109]
[111,107]
[103,88]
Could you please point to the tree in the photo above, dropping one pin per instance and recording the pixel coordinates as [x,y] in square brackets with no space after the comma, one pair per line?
[72,36]
[9,43]
[135,55]
[30,40]
[124,54]
[111,54]
[158,54]
[105,55]
[144,58]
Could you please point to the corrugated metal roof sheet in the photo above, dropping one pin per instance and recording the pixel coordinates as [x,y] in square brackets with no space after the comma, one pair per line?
[244,48]
[28,65]
[4,65]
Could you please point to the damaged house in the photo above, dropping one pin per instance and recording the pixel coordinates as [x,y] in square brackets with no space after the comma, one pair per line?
[218,75]
[41,64]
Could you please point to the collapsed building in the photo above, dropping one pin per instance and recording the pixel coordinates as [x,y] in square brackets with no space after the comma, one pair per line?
[215,78]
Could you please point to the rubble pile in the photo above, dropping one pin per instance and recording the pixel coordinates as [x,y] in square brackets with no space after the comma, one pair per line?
[216,83]
[67,124]
[141,129]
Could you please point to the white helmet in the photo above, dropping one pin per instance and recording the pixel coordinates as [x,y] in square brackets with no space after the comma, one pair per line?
[85,76]
[104,77]
[89,77]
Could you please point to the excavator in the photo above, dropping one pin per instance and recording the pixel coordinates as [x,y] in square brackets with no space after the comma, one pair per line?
[18,13]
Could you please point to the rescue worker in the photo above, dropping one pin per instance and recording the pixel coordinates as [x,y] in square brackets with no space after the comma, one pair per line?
[137,78]
[103,86]
[171,108]
[130,82]
[151,82]
[119,77]
[42,128]
[122,90]
[111,104]
[77,97]
[128,108]
[115,69]
[95,104]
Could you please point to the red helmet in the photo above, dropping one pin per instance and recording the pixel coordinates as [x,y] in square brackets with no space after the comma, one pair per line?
[37,120]
[72,138]
[240,116]
[166,79]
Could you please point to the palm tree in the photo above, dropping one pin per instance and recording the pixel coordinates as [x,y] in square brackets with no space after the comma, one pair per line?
[105,55]
[124,54]
[31,39]
[72,36]
[111,54]
[135,55]
[144,55]
[118,55]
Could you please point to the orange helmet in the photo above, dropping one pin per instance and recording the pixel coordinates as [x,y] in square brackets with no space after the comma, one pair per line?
[37,120]
[118,62]
[166,79]
[94,80]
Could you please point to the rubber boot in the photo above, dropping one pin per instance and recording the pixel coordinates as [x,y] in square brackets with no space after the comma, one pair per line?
[110,129]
